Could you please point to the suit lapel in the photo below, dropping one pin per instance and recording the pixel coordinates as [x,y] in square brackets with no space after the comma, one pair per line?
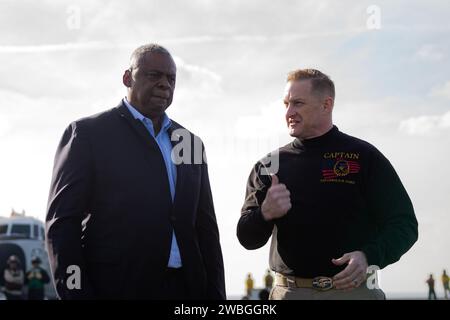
[143,134]
[138,127]
[150,144]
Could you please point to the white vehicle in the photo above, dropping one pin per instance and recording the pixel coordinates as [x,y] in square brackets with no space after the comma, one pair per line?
[24,237]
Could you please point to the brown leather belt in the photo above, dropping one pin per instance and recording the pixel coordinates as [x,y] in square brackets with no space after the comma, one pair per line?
[317,283]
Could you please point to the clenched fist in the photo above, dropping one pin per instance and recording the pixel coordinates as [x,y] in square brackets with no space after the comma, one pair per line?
[277,202]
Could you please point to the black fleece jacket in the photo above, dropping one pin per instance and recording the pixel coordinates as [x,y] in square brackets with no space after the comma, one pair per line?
[345,196]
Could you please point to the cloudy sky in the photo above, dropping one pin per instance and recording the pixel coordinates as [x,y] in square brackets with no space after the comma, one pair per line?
[62,60]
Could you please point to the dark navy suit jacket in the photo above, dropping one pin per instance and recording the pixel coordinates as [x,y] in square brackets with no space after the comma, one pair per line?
[111,214]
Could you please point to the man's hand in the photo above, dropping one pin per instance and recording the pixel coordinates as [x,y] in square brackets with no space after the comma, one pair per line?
[355,272]
[277,202]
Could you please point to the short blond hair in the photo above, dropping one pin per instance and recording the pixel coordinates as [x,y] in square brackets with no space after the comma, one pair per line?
[320,82]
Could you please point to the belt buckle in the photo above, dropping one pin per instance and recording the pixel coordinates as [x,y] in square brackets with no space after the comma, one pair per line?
[291,282]
[322,283]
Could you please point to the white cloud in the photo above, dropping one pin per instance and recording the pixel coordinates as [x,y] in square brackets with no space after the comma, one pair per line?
[426,125]
[442,91]
[429,52]
[25,116]
[266,121]
[5,126]
[197,69]
[70,46]
[104,45]
[197,87]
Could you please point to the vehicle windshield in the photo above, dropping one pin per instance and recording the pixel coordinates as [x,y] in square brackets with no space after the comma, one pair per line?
[3,229]
[21,229]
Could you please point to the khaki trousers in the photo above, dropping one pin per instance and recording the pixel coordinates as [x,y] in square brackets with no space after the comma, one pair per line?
[293,293]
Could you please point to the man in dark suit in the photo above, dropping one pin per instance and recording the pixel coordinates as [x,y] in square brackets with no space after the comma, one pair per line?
[129,218]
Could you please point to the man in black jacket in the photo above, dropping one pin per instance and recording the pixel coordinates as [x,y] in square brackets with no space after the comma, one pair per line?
[130,212]
[334,207]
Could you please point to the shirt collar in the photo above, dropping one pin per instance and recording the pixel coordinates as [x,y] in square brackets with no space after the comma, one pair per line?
[317,141]
[166,122]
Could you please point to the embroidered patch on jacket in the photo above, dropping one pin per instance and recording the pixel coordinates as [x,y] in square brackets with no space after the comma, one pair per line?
[340,167]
